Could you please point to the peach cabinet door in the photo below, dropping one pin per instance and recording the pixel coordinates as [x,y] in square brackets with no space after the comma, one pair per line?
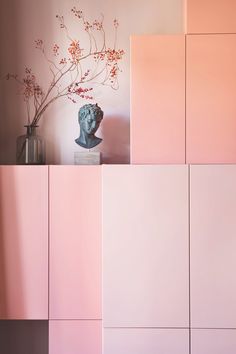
[213,246]
[157,99]
[213,341]
[211,16]
[211,99]
[145,246]
[145,341]
[75,242]
[24,242]
[75,337]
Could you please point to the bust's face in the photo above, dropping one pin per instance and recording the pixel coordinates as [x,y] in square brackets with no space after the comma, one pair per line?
[90,124]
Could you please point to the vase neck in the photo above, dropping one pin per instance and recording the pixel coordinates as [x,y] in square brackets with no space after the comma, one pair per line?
[31,129]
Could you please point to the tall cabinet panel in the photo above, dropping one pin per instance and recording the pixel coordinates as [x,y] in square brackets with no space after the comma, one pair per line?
[211,16]
[211,99]
[145,246]
[213,246]
[157,99]
[75,242]
[24,242]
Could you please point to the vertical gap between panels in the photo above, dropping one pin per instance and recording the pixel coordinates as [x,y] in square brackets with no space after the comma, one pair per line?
[48,254]
[189,250]
[185,95]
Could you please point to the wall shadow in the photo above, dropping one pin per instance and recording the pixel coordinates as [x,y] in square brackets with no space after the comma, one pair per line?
[115,147]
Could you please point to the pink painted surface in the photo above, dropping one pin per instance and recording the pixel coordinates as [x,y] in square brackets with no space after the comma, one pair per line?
[24,242]
[157,99]
[218,341]
[211,99]
[145,341]
[213,244]
[211,16]
[145,246]
[75,337]
[75,242]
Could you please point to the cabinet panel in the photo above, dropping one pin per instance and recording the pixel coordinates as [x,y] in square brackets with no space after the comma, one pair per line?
[211,16]
[75,337]
[218,341]
[157,99]
[24,242]
[213,245]
[144,340]
[75,242]
[23,337]
[211,99]
[145,246]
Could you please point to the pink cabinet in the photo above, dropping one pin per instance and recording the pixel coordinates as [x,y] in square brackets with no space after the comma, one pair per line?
[75,242]
[75,337]
[24,242]
[145,246]
[213,341]
[145,341]
[211,98]
[213,245]
[157,99]
[211,16]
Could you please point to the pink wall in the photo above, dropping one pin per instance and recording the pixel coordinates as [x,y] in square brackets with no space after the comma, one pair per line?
[23,21]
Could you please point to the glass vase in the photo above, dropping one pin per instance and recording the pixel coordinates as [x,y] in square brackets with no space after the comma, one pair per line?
[30,148]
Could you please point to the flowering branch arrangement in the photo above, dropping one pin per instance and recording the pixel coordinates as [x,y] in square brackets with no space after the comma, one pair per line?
[71,77]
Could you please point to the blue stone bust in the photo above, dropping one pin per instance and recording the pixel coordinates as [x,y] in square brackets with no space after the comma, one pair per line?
[90,117]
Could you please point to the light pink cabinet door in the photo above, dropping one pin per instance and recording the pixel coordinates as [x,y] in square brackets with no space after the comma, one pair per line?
[24,242]
[211,99]
[157,99]
[75,242]
[75,337]
[211,16]
[145,341]
[145,246]
[213,341]
[213,246]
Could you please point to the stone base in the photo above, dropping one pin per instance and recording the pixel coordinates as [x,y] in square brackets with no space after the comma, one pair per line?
[87,158]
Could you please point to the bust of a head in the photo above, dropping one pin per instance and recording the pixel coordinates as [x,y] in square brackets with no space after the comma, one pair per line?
[90,117]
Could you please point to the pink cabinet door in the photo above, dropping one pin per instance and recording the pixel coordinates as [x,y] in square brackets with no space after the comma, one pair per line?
[211,16]
[24,242]
[75,337]
[145,341]
[157,99]
[211,99]
[213,245]
[213,341]
[75,242]
[145,246]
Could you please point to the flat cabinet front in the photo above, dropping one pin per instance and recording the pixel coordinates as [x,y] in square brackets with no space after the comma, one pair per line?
[157,126]
[213,247]
[24,242]
[145,341]
[75,337]
[75,242]
[213,341]
[145,246]
[211,98]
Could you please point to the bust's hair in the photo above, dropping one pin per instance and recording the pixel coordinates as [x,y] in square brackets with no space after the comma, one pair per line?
[87,109]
